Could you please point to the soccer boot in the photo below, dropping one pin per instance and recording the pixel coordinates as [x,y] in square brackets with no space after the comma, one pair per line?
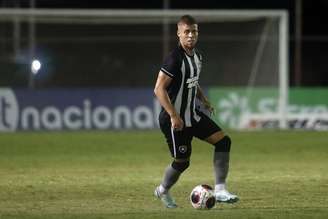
[166,198]
[226,197]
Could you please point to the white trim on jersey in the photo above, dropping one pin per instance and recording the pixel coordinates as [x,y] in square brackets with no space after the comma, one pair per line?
[177,103]
[167,72]
[174,146]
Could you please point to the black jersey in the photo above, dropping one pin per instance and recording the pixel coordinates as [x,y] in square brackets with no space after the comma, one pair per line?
[184,70]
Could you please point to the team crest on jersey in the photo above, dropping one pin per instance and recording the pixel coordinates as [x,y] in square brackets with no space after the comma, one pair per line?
[183,149]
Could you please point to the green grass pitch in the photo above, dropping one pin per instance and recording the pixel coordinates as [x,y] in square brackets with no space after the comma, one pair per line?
[88,175]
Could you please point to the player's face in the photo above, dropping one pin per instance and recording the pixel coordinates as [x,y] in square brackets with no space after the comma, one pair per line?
[188,35]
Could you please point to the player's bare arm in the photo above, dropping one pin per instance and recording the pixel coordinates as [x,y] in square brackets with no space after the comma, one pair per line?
[162,83]
[201,96]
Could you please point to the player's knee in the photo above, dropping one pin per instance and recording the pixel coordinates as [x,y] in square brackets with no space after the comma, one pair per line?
[180,165]
[223,145]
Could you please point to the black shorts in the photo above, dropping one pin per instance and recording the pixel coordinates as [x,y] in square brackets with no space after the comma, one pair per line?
[179,142]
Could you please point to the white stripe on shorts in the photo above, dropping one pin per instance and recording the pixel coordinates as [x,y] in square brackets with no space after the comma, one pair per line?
[173,140]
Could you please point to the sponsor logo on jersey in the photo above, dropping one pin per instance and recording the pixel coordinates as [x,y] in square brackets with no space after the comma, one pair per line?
[192,82]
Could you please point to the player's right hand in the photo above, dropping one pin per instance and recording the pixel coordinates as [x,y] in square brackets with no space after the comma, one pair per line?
[176,122]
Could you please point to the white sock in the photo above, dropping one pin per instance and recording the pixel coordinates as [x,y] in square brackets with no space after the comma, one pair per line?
[220,187]
[161,189]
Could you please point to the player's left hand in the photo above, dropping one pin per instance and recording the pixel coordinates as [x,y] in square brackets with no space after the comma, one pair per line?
[209,107]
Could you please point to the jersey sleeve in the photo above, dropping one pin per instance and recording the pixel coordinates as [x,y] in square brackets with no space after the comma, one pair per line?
[171,65]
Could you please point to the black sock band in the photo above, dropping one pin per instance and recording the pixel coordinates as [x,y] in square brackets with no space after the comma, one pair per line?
[180,166]
[223,145]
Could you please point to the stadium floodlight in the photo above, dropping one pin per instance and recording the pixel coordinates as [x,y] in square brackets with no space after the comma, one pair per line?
[35,66]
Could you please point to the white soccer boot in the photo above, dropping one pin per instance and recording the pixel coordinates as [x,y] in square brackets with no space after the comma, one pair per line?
[166,198]
[225,196]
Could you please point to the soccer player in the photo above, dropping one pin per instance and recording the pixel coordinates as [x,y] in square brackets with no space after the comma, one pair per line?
[176,89]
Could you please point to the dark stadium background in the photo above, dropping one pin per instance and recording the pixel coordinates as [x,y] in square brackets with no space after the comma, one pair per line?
[310,69]
[82,142]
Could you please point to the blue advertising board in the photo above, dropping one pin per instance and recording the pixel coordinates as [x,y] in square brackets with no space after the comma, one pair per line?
[77,109]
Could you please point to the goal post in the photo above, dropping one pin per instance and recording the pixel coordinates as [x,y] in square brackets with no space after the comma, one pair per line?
[247,49]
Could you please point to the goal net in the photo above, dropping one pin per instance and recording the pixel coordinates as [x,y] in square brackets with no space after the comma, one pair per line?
[245,52]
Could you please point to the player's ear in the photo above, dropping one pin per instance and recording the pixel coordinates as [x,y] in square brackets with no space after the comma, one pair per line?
[178,31]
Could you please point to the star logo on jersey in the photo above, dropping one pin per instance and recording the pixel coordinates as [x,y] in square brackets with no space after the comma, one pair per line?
[183,149]
[231,108]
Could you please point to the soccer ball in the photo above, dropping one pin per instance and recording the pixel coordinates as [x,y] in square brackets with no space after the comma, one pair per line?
[202,197]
